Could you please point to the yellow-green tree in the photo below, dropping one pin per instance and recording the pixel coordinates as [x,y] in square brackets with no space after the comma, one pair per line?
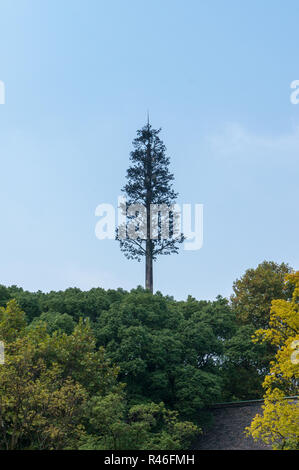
[279,424]
[255,291]
[46,381]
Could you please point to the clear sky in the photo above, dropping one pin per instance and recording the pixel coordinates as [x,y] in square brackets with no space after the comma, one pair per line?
[80,76]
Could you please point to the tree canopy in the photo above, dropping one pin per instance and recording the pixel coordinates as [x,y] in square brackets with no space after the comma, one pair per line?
[111,369]
[149,183]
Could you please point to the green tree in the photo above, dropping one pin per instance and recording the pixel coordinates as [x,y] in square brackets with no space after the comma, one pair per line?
[12,321]
[45,382]
[244,366]
[245,363]
[255,290]
[60,391]
[163,355]
[28,301]
[55,321]
[4,296]
[149,182]
[147,426]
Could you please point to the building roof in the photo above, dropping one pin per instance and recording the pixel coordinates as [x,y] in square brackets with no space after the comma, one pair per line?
[229,420]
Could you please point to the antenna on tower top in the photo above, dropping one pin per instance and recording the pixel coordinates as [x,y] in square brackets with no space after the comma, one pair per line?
[148,123]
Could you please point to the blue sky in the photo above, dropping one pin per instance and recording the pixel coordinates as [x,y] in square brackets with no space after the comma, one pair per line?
[80,76]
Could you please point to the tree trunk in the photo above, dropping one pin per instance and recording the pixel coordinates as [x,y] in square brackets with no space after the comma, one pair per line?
[149,267]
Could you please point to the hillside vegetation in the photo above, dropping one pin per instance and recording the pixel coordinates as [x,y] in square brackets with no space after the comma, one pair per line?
[110,369]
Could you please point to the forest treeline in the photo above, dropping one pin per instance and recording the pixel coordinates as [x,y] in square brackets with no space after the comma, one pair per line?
[110,369]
